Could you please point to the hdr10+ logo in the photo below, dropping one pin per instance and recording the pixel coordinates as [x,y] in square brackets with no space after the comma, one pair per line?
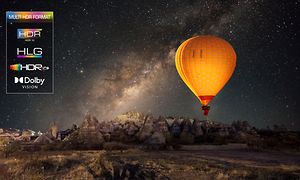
[28,67]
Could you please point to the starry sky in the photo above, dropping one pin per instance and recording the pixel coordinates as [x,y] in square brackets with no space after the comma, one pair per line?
[117,56]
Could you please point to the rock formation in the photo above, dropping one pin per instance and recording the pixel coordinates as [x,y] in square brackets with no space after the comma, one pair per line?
[88,135]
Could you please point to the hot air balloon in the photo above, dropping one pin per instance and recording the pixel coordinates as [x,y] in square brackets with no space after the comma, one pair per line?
[205,64]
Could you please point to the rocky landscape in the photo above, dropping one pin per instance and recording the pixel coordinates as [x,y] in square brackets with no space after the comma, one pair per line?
[138,146]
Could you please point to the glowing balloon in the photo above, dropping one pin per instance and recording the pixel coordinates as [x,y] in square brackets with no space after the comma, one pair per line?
[205,64]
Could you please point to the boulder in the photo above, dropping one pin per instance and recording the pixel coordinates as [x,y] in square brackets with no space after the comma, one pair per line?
[130,128]
[53,129]
[197,128]
[161,125]
[46,138]
[147,129]
[175,128]
[90,123]
[119,135]
[186,136]
[135,117]
[157,138]
[88,135]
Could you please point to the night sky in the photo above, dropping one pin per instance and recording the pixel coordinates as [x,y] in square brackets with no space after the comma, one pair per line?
[117,56]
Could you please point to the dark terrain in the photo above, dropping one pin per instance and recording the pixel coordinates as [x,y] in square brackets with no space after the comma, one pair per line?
[192,162]
[137,146]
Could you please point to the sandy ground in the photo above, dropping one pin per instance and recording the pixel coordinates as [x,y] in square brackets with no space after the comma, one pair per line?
[241,155]
[191,162]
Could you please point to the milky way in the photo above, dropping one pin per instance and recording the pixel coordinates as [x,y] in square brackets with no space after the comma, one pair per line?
[118,56]
[143,76]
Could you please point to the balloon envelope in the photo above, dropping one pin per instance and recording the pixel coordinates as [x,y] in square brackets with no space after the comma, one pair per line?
[205,64]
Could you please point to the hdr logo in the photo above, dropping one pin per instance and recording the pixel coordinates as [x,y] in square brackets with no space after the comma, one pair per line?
[29,34]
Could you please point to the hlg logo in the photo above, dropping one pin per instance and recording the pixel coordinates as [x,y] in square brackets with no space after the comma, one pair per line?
[30,53]
[28,67]
[28,80]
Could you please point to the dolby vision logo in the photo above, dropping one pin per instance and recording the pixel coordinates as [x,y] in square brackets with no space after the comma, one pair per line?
[28,80]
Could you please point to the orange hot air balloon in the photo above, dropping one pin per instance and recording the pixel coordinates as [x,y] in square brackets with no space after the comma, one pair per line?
[205,64]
